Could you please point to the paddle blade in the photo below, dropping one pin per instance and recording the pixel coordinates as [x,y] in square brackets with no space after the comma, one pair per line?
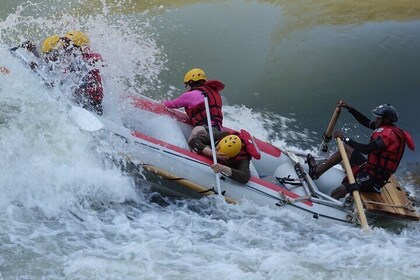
[85,120]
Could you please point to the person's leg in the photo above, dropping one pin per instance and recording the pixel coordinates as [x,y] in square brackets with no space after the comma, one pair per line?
[344,189]
[318,169]
[364,182]
[330,162]
[197,131]
[339,192]
[367,182]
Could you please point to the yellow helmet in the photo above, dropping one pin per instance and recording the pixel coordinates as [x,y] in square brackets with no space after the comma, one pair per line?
[230,145]
[78,38]
[52,42]
[195,75]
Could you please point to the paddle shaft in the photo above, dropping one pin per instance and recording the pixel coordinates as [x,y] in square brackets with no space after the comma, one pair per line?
[356,195]
[213,147]
[328,133]
[84,119]
[24,59]
[333,121]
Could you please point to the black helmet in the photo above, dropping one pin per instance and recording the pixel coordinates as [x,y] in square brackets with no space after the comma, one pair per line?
[386,111]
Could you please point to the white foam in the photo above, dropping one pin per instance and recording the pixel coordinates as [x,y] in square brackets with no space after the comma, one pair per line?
[67,214]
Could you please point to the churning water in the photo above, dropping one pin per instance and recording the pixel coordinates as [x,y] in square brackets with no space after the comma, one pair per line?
[66,212]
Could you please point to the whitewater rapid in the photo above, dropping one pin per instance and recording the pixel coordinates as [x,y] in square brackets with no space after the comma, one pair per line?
[67,212]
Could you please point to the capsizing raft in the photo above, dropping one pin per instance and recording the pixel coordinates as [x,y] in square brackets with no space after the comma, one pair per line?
[157,147]
[279,179]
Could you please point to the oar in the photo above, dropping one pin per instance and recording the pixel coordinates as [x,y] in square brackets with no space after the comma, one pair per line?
[326,137]
[81,117]
[85,119]
[356,195]
[174,178]
[16,51]
[213,148]
[182,181]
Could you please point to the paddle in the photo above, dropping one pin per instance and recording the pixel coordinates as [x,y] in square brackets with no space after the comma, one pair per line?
[182,181]
[85,119]
[213,148]
[26,60]
[326,137]
[356,195]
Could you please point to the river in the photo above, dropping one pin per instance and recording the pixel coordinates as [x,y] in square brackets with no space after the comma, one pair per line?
[65,213]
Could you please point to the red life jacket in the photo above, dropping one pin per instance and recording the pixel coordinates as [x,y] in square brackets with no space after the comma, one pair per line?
[249,147]
[91,57]
[382,164]
[92,84]
[94,87]
[197,113]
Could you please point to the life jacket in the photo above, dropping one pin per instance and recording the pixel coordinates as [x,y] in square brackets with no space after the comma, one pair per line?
[91,57]
[382,164]
[249,147]
[92,82]
[94,87]
[197,113]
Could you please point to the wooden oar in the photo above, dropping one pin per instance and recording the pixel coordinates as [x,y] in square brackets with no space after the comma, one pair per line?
[326,137]
[184,182]
[213,146]
[356,195]
[174,178]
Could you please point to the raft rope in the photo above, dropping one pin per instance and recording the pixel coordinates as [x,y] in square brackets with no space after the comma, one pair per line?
[407,206]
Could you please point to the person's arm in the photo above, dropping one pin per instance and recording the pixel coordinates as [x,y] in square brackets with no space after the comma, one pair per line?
[241,172]
[373,146]
[362,119]
[31,48]
[200,142]
[187,99]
